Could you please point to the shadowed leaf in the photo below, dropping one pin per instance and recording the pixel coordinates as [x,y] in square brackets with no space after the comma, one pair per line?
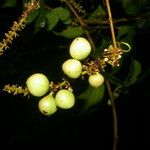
[71,32]
[135,70]
[91,97]
[10,3]
[134,7]
[55,15]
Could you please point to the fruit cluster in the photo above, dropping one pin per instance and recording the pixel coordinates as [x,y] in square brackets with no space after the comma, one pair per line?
[79,50]
[62,96]
[39,85]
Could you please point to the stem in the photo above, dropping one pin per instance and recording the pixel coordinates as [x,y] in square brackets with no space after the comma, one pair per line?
[115,122]
[82,23]
[111,24]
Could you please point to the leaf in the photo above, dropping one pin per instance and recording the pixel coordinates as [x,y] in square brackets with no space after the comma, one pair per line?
[144,75]
[63,13]
[71,32]
[135,70]
[55,15]
[126,34]
[68,21]
[52,19]
[104,44]
[134,7]
[41,19]
[91,97]
[144,24]
[10,3]
[26,1]
[32,16]
[98,13]
[112,79]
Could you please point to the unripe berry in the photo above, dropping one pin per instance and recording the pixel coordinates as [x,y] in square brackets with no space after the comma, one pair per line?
[72,68]
[96,80]
[37,84]
[47,105]
[80,48]
[65,99]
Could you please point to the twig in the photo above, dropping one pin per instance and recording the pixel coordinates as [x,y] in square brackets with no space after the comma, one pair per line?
[115,121]
[82,23]
[111,25]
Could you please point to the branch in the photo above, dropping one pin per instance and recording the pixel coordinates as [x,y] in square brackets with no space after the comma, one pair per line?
[111,24]
[107,83]
[115,121]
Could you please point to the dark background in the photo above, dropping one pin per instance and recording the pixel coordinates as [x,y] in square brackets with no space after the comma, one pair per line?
[23,127]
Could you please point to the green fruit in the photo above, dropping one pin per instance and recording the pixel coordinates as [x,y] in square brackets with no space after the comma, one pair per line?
[80,48]
[47,105]
[65,99]
[37,84]
[96,80]
[72,68]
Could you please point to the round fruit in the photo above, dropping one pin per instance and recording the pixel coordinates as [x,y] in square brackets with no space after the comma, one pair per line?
[72,68]
[80,48]
[65,99]
[96,80]
[47,105]
[37,84]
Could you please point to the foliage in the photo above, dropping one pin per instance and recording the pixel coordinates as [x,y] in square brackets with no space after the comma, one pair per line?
[59,21]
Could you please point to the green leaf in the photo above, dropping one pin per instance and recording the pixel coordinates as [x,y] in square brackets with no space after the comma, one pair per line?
[71,32]
[98,13]
[41,19]
[144,75]
[112,79]
[26,1]
[145,23]
[91,97]
[63,13]
[10,3]
[104,44]
[134,72]
[68,21]
[134,7]
[32,16]
[52,19]
[55,15]
[126,33]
